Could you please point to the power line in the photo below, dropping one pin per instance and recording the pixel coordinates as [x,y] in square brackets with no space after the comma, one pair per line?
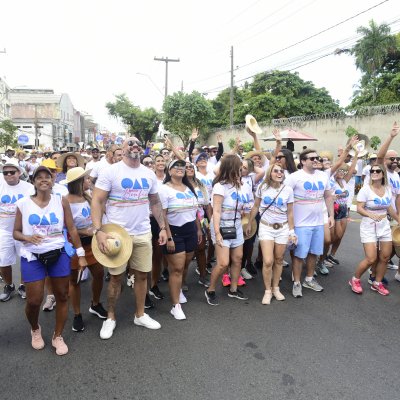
[239,14]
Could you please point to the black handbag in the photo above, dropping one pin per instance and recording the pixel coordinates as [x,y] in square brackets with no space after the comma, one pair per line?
[229,232]
[49,258]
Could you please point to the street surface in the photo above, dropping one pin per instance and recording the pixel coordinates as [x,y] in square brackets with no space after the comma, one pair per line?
[329,345]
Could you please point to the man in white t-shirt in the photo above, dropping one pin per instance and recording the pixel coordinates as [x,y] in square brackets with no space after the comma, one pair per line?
[125,191]
[391,160]
[104,163]
[311,189]
[95,158]
[11,190]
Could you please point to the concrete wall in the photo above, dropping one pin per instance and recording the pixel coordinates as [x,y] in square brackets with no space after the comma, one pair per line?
[330,132]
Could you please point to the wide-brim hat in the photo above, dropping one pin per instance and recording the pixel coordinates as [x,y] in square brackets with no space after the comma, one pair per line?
[11,164]
[252,124]
[255,153]
[51,164]
[245,221]
[360,147]
[61,159]
[396,239]
[74,174]
[120,247]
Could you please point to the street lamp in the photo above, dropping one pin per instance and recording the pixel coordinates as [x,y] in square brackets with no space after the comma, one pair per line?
[151,80]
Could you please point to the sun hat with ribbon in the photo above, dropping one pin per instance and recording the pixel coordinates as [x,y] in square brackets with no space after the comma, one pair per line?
[245,221]
[119,247]
[74,174]
[252,124]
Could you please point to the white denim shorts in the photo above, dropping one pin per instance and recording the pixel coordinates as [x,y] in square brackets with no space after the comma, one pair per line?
[279,236]
[9,250]
[371,231]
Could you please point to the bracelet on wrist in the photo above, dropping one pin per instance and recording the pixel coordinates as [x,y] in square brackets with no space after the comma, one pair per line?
[80,252]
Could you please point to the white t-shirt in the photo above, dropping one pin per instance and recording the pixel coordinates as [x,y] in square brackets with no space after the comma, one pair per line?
[91,164]
[99,167]
[81,215]
[9,195]
[181,206]
[394,180]
[308,191]
[62,190]
[359,168]
[202,201]
[367,173]
[277,211]
[128,198]
[31,167]
[248,189]
[206,180]
[373,202]
[341,193]
[47,222]
[230,195]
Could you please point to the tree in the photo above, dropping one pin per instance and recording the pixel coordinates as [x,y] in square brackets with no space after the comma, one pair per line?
[375,142]
[377,55]
[8,134]
[276,94]
[183,112]
[350,131]
[142,123]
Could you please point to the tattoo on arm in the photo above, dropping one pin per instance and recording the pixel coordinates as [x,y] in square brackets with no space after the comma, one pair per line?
[156,208]
[113,292]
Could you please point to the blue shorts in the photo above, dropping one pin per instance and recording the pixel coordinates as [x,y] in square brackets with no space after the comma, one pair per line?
[230,243]
[33,271]
[310,239]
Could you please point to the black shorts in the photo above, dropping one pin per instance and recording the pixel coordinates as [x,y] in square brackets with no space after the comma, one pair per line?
[340,212]
[155,229]
[185,238]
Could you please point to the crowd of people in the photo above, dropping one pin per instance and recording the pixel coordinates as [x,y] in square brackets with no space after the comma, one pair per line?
[203,204]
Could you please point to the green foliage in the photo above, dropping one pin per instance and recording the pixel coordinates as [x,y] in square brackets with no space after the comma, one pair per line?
[374,142]
[350,131]
[248,146]
[183,112]
[142,123]
[8,134]
[231,143]
[275,94]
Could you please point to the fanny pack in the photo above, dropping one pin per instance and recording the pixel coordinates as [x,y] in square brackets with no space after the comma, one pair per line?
[229,232]
[49,258]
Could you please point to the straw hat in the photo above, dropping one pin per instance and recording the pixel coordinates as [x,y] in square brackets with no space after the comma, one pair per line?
[51,164]
[73,174]
[119,248]
[255,153]
[60,160]
[245,221]
[396,239]
[252,124]
[360,147]
[11,163]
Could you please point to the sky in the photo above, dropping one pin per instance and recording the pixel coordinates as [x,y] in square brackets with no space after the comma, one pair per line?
[96,49]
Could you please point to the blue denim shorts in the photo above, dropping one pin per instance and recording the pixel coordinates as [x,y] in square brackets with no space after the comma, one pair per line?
[310,239]
[33,271]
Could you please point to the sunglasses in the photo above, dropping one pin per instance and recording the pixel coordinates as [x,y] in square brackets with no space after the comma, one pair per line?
[342,170]
[376,171]
[189,167]
[314,158]
[279,158]
[9,173]
[277,171]
[146,163]
[179,167]
[134,143]
[213,151]
[392,159]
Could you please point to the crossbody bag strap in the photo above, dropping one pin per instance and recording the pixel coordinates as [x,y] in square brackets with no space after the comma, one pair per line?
[237,200]
[270,204]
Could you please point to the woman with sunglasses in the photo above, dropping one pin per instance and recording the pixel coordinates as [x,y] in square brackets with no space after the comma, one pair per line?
[275,202]
[179,202]
[228,201]
[39,225]
[80,202]
[204,214]
[373,204]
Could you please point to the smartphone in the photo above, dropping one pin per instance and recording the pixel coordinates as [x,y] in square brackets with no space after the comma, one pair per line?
[79,276]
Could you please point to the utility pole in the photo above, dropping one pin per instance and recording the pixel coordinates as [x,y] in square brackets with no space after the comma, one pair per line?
[36,123]
[166,60]
[231,94]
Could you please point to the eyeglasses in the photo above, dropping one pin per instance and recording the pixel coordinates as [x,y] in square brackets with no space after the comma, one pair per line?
[9,173]
[146,163]
[279,158]
[179,167]
[134,143]
[342,170]
[164,152]
[277,171]
[376,171]
[392,159]
[189,167]
[313,158]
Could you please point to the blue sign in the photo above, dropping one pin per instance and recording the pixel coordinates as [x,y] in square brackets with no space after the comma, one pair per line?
[23,139]
[99,138]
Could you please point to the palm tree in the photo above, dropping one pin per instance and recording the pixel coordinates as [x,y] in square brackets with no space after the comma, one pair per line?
[372,48]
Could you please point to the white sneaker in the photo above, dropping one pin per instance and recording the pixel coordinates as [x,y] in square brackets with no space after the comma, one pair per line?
[246,274]
[130,280]
[397,277]
[146,321]
[108,328]
[177,312]
[182,298]
[50,303]
[285,263]
[392,266]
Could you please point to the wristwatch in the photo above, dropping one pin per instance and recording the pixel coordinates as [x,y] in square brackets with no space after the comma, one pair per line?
[95,230]
[170,239]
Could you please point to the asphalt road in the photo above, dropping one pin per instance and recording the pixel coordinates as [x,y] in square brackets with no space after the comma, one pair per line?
[329,345]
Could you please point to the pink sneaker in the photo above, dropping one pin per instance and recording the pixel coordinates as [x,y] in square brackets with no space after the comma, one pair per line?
[241,281]
[37,340]
[60,346]
[226,280]
[355,285]
[378,287]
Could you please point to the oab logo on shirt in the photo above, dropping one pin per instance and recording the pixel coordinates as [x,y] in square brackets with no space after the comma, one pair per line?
[44,225]
[6,199]
[186,195]
[395,183]
[382,202]
[242,198]
[312,186]
[86,212]
[134,190]
[277,202]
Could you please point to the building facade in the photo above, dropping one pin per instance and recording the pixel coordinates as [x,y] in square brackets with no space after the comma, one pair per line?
[5,105]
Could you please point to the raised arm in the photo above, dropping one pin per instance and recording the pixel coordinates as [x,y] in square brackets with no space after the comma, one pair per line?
[345,153]
[386,144]
[352,168]
[278,145]
[220,150]
[193,138]
[255,139]
[169,145]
